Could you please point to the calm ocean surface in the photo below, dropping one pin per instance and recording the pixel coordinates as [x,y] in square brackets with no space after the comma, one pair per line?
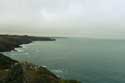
[87,60]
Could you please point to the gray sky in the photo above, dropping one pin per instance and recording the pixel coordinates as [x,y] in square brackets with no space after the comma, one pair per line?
[87,18]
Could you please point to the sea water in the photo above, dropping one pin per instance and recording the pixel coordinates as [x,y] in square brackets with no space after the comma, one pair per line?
[85,59]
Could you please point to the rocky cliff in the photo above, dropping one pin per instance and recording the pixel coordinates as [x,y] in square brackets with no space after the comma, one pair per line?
[9,42]
[12,71]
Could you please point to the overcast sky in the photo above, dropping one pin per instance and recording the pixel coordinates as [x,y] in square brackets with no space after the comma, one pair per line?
[87,18]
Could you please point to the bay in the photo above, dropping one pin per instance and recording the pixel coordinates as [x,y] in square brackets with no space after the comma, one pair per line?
[86,59]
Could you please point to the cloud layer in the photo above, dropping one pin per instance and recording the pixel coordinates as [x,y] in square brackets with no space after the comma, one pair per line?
[94,18]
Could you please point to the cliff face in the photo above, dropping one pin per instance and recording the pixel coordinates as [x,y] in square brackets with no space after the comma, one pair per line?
[9,42]
[12,71]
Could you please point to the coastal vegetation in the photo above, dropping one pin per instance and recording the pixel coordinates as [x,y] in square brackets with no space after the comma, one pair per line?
[12,71]
[9,42]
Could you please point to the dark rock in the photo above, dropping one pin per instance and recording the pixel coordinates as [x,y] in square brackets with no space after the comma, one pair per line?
[9,42]
[12,71]
[6,62]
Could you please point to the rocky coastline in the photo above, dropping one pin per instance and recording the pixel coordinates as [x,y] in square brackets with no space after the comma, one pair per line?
[10,42]
[12,71]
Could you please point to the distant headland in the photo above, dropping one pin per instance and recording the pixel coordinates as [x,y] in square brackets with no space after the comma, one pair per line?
[9,42]
[12,71]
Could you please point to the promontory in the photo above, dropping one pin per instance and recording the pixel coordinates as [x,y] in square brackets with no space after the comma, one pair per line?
[13,71]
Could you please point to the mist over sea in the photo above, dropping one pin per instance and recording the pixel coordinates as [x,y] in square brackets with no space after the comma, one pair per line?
[85,59]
